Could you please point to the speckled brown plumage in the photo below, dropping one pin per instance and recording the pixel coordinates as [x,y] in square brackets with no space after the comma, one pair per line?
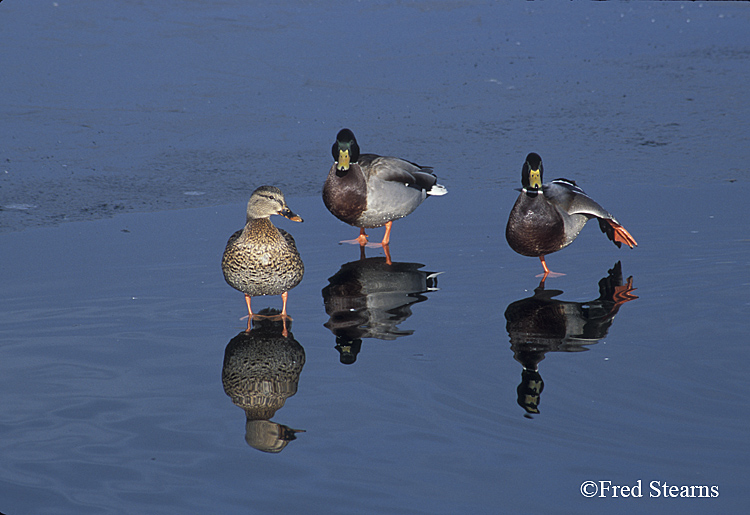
[261,370]
[262,259]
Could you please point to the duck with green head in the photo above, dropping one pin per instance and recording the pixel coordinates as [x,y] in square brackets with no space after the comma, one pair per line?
[548,217]
[368,190]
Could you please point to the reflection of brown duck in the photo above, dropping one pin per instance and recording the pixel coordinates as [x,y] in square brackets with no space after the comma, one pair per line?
[540,324]
[261,370]
[369,298]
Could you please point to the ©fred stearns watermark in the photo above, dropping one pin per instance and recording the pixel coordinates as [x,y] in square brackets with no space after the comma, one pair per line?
[655,488]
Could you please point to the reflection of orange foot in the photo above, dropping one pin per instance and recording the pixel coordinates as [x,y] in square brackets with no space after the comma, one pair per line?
[284,316]
[385,248]
[387,255]
[624,293]
[277,316]
[249,309]
[549,274]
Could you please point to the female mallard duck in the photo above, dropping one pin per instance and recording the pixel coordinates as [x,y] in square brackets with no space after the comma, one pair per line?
[262,259]
[548,217]
[369,191]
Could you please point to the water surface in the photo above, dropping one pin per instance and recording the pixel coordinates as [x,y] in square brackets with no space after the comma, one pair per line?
[132,146]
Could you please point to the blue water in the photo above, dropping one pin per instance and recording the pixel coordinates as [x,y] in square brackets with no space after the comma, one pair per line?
[134,141]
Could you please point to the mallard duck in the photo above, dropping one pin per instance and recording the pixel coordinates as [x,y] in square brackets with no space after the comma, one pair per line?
[367,190]
[548,217]
[262,259]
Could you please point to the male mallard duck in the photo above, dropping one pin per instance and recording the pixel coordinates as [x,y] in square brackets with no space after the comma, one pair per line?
[548,217]
[262,259]
[367,190]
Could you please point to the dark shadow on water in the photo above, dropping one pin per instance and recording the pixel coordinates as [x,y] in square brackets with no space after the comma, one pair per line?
[540,324]
[369,298]
[261,370]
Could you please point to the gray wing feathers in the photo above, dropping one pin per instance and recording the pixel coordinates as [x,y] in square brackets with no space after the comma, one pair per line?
[395,169]
[572,199]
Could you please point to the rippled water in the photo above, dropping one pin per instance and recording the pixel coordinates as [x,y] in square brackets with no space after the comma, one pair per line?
[448,382]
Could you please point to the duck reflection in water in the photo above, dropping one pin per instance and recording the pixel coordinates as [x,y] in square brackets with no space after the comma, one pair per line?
[540,324]
[261,370]
[369,298]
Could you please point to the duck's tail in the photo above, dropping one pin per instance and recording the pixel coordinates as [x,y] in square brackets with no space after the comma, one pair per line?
[437,190]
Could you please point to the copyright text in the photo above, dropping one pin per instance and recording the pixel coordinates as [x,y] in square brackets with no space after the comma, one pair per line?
[656,488]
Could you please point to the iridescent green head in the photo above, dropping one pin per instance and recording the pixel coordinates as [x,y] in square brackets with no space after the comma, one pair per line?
[531,174]
[345,150]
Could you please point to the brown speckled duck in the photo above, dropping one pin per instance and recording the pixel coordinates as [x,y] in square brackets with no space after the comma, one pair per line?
[367,190]
[548,217]
[262,259]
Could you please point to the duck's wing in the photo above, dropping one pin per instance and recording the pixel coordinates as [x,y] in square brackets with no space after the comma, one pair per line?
[234,237]
[395,169]
[567,196]
[288,237]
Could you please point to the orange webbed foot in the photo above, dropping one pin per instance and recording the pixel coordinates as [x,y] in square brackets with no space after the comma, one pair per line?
[621,235]
[547,271]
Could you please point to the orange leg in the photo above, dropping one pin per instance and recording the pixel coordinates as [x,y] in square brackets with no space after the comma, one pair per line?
[284,297]
[249,309]
[547,271]
[387,236]
[544,265]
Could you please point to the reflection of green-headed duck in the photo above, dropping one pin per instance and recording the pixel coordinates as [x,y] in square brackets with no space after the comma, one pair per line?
[262,259]
[367,190]
[548,217]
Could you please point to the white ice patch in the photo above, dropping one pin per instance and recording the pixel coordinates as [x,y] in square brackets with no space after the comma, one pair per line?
[19,207]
